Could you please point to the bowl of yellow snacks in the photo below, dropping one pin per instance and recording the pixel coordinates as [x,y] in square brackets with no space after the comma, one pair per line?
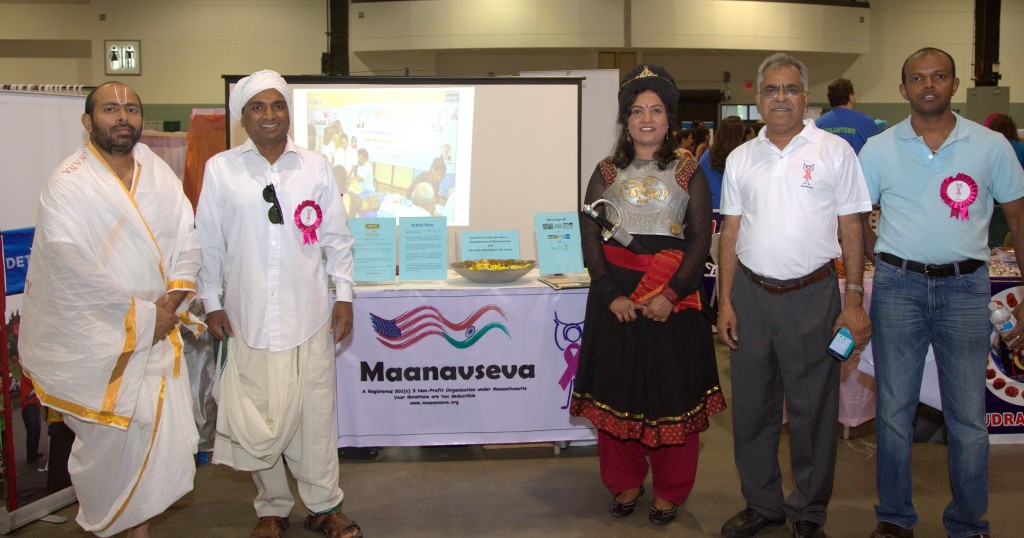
[493,271]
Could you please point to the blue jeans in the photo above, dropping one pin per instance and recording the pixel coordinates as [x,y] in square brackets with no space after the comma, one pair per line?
[908,312]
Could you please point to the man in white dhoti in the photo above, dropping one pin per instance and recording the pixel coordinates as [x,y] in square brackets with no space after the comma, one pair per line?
[268,212]
[114,263]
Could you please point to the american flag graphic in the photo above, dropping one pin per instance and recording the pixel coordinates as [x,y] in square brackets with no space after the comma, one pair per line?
[424,321]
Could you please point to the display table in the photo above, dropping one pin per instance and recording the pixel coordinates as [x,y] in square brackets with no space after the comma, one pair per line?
[442,363]
[1004,397]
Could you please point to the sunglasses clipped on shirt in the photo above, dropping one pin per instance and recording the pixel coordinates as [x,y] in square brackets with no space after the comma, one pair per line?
[270,196]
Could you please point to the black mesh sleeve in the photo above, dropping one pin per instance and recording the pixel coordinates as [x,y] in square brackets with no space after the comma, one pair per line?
[601,283]
[698,236]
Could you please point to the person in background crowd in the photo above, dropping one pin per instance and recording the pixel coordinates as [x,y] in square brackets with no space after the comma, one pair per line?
[685,144]
[935,175]
[647,377]
[61,441]
[792,200]
[728,137]
[701,138]
[32,416]
[199,355]
[114,263]
[268,214]
[750,132]
[1005,125]
[843,121]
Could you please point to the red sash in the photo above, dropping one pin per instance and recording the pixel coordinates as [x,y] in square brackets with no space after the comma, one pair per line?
[658,270]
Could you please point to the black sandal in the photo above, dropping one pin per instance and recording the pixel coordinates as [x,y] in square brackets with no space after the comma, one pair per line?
[662,517]
[617,509]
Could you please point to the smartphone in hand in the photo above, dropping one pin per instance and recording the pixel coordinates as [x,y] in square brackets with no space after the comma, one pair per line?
[841,346]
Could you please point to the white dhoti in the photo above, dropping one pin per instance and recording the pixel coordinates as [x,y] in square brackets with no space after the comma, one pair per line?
[158,445]
[102,258]
[281,404]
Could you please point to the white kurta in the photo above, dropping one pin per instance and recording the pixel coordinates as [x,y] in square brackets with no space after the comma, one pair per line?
[102,256]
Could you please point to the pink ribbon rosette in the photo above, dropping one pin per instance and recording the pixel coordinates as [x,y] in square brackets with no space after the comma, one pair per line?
[307,218]
[959,192]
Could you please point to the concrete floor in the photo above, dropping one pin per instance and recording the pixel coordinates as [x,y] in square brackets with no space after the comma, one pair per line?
[474,491]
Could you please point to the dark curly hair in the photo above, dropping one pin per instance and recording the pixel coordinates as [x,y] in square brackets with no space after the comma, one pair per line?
[839,92]
[1004,125]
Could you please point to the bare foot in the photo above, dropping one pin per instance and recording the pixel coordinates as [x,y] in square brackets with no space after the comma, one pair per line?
[662,504]
[628,496]
[139,531]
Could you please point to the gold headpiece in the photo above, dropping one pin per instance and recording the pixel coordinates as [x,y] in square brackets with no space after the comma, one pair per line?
[644,74]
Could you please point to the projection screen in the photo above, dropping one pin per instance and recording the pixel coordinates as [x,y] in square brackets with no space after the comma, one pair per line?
[494,150]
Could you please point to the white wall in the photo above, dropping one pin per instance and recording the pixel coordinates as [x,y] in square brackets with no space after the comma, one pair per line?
[467,24]
[188,44]
[745,25]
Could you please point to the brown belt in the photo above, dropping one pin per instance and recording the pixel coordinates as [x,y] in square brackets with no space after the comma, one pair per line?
[782,286]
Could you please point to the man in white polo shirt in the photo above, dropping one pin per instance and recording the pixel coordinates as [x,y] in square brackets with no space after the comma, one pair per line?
[783,195]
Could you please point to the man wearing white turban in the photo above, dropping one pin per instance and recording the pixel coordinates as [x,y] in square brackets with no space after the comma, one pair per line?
[267,211]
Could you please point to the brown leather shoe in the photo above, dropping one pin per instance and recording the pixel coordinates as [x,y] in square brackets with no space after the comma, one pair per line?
[270,527]
[891,530]
[336,525]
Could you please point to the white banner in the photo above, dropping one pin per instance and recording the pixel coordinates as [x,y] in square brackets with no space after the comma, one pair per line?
[460,366]
[39,131]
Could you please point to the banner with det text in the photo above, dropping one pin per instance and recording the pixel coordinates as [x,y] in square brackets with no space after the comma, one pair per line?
[460,366]
[17,246]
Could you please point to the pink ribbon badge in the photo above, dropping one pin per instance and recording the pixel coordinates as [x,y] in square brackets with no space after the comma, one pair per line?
[572,359]
[959,192]
[307,218]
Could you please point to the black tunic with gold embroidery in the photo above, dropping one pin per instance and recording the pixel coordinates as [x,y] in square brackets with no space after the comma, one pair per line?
[646,380]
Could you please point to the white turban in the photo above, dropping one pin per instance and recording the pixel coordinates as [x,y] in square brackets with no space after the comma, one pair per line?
[249,86]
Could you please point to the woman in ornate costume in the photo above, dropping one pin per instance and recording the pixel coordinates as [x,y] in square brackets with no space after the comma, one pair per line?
[647,377]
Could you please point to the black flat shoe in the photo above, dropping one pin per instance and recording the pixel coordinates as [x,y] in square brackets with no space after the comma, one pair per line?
[617,509]
[807,529]
[663,517]
[747,523]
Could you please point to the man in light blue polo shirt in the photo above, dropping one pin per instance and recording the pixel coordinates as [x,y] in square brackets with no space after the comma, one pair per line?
[935,176]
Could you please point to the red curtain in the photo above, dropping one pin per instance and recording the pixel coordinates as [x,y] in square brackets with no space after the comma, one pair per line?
[207,136]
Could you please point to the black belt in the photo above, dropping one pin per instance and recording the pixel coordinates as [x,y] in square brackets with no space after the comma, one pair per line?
[779,287]
[965,267]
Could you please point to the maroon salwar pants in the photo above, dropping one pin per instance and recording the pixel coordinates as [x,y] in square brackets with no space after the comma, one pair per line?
[624,465]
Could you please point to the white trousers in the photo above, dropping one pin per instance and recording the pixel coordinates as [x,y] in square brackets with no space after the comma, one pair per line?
[277,407]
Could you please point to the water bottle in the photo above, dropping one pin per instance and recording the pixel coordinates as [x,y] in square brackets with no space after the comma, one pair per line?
[1001,318]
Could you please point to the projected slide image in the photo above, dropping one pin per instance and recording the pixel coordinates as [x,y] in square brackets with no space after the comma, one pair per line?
[395,151]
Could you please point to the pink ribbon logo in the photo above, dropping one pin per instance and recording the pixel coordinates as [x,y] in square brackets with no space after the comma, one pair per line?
[307,219]
[572,359]
[959,192]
